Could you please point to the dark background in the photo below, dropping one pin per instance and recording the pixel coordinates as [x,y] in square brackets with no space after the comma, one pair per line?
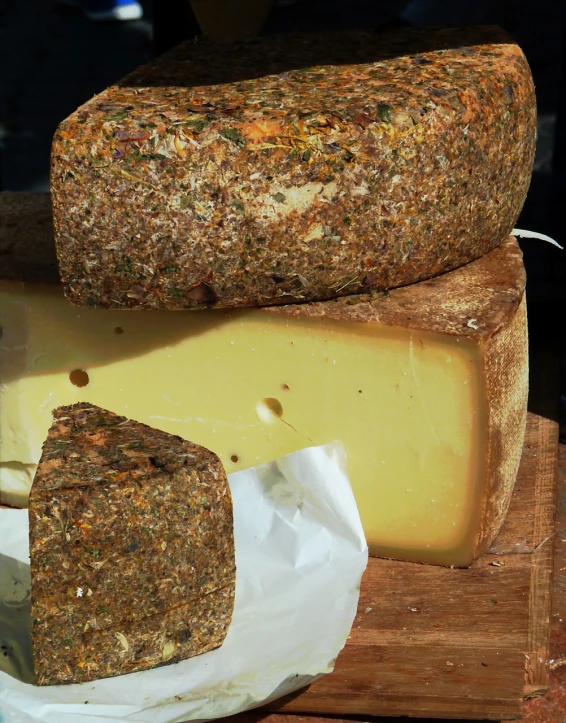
[52,59]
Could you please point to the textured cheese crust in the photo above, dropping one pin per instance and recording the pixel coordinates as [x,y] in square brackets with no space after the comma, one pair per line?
[293,168]
[131,548]
[506,374]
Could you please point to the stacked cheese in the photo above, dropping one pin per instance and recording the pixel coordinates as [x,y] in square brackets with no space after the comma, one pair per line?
[349,165]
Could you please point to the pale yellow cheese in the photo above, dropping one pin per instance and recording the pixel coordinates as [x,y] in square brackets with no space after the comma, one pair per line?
[253,386]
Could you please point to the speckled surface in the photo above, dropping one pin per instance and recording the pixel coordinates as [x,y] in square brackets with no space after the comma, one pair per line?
[131,547]
[293,168]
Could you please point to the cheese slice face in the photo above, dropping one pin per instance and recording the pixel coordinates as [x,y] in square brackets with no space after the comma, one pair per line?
[253,385]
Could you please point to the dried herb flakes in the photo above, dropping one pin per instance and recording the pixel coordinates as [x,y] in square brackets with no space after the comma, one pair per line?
[131,547]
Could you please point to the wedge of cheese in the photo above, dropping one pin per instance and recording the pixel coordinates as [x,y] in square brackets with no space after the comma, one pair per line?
[131,540]
[426,386]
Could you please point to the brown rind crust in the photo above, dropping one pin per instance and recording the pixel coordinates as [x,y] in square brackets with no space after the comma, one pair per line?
[293,168]
[131,546]
[475,301]
[506,375]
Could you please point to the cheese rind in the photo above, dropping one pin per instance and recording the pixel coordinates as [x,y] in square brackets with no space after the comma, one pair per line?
[506,371]
[293,168]
[131,548]
[420,385]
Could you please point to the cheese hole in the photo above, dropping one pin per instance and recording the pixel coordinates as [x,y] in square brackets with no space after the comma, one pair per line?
[285,387]
[235,458]
[118,330]
[269,410]
[79,378]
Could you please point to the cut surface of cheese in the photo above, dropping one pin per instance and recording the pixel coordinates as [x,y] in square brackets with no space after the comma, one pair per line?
[425,386]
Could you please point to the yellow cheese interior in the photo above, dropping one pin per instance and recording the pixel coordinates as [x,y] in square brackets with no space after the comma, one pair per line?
[252,386]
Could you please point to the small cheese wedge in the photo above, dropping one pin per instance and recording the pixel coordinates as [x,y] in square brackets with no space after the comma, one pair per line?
[131,548]
[426,386]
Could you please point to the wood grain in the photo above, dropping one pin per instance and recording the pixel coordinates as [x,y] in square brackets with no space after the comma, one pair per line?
[538,641]
[434,642]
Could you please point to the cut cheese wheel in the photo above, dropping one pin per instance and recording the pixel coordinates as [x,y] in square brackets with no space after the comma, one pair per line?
[293,168]
[426,387]
[131,548]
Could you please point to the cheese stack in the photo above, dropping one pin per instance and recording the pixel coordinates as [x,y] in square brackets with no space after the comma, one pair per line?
[425,385]
[372,178]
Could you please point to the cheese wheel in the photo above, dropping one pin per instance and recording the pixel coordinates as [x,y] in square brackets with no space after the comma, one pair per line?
[293,168]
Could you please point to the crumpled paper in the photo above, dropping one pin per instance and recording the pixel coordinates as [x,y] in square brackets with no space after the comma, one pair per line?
[300,554]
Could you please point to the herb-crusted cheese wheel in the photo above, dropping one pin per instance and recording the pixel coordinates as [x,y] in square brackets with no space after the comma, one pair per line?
[131,547]
[293,168]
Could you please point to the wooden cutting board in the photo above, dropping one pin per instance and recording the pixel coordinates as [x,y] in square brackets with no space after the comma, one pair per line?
[434,642]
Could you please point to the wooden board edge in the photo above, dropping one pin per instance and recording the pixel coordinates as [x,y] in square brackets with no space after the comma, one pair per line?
[545,438]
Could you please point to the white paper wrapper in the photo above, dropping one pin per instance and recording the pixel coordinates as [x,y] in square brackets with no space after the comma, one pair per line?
[300,554]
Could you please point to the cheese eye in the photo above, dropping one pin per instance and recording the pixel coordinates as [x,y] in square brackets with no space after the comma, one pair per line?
[269,410]
[79,378]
